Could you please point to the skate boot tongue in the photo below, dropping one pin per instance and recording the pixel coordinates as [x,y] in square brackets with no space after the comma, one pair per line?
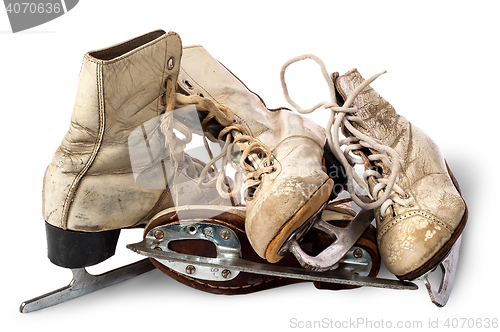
[381,125]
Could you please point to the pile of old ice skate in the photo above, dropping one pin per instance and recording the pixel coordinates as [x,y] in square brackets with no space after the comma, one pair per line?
[233,197]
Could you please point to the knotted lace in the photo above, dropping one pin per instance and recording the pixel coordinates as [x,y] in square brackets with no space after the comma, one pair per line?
[239,150]
[246,155]
[386,192]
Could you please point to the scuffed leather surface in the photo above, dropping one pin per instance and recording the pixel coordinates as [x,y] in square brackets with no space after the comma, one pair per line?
[409,236]
[295,141]
[89,185]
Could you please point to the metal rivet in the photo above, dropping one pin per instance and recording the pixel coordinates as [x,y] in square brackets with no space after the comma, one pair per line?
[358,253]
[225,234]
[170,63]
[159,234]
[190,269]
[226,274]
[191,229]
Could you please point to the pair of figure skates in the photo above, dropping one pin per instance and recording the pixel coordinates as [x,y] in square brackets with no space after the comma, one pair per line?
[126,162]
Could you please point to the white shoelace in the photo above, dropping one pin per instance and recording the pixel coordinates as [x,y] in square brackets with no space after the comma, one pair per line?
[345,115]
[254,159]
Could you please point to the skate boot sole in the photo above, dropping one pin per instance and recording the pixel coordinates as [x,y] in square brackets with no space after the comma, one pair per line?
[199,246]
[441,254]
[303,214]
[243,283]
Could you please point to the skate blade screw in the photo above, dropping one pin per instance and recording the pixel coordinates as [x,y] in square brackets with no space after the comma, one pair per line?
[226,274]
[159,234]
[190,269]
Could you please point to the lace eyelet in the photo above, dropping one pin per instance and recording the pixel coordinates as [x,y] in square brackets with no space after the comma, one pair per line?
[170,63]
[271,163]
[250,192]
[189,85]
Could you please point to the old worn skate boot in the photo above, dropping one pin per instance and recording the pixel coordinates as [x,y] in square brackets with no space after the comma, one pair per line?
[282,153]
[424,214]
[91,190]
[418,207]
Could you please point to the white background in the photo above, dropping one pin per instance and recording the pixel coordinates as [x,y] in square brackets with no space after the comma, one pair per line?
[442,62]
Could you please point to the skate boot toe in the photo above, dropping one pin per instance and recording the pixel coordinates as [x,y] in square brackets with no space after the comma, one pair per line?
[413,243]
[281,209]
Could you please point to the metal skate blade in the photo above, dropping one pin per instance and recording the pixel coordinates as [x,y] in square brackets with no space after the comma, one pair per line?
[224,239]
[339,276]
[344,240]
[448,267]
[84,283]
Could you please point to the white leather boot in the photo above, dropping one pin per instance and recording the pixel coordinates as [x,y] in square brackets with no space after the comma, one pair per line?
[90,185]
[424,213]
[285,181]
[418,207]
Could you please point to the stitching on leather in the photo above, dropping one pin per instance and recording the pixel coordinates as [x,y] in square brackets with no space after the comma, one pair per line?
[223,287]
[213,286]
[171,74]
[406,215]
[165,73]
[198,85]
[225,224]
[206,93]
[97,145]
[228,225]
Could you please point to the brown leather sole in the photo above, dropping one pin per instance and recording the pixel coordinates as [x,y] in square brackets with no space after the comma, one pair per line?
[245,283]
[441,254]
[319,198]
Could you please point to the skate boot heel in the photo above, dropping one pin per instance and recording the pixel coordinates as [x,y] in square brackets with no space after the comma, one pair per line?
[74,249]
[77,250]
